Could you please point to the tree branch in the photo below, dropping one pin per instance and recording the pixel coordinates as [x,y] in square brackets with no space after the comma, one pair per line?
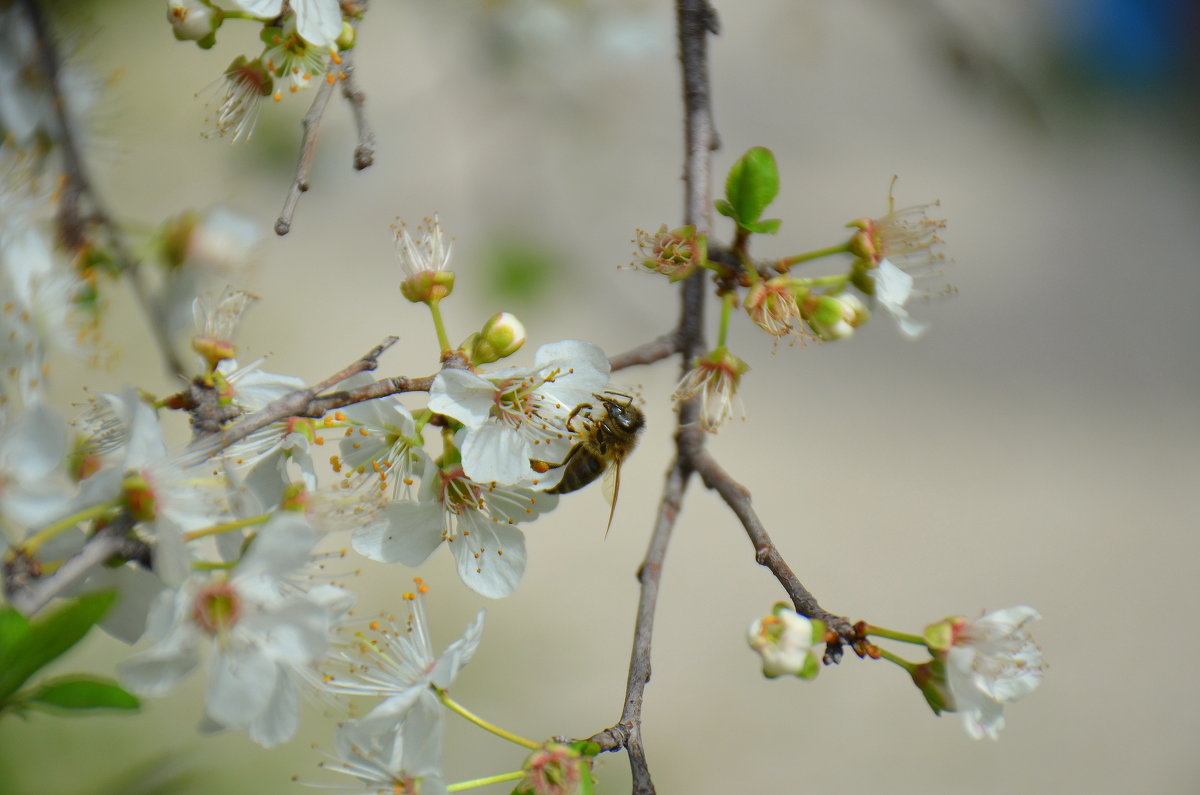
[305,403]
[78,186]
[648,352]
[112,540]
[364,153]
[737,497]
[311,124]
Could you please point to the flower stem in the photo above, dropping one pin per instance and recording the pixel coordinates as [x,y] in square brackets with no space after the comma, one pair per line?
[439,327]
[893,658]
[454,706]
[66,523]
[891,634]
[217,529]
[796,259]
[726,309]
[483,782]
[818,281]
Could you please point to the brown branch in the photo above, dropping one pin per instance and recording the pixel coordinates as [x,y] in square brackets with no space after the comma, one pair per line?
[304,403]
[737,497]
[112,541]
[311,124]
[364,153]
[647,353]
[694,20]
[78,186]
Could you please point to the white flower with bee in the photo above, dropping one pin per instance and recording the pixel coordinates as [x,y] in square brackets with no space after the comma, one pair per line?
[517,416]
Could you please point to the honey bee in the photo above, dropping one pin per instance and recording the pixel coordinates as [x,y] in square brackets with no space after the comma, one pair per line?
[605,439]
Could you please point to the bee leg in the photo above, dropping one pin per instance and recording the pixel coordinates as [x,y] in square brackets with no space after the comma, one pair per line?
[575,411]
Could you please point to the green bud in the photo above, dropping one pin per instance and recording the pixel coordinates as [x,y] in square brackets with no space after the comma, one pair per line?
[503,335]
[346,39]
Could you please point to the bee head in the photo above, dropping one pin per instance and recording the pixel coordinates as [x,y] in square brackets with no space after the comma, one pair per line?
[625,415]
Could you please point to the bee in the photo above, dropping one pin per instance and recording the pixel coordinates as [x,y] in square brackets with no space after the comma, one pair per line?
[605,439]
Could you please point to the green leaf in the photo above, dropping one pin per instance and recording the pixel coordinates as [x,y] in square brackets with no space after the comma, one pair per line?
[83,692]
[725,209]
[768,227]
[46,640]
[752,184]
[522,790]
[587,785]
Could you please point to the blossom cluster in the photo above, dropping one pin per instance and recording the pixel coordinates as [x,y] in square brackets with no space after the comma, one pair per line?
[301,42]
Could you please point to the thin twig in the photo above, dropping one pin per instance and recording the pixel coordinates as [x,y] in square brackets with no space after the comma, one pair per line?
[78,187]
[364,153]
[695,20]
[737,497]
[311,124]
[301,404]
[647,353]
[111,541]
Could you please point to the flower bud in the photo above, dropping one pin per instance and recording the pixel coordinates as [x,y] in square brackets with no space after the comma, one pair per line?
[346,39]
[784,640]
[194,20]
[834,317]
[503,335]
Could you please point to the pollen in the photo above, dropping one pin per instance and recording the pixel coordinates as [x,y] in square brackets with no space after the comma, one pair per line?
[293,89]
[339,416]
[364,432]
[337,59]
[318,440]
[330,78]
[374,626]
[278,96]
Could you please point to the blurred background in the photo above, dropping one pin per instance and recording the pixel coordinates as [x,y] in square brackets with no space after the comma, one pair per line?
[1038,446]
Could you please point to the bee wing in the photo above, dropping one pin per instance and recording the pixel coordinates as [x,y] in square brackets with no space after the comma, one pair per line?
[611,487]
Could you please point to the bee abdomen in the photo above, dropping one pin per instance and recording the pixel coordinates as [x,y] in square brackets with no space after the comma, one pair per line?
[582,469]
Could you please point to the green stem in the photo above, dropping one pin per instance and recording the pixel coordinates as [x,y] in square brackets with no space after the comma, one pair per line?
[796,259]
[439,327]
[483,782]
[66,523]
[726,309]
[217,529]
[903,663]
[891,634]
[820,281]
[454,706]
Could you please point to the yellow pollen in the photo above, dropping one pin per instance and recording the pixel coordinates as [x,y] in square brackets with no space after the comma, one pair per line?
[294,89]
[337,59]
[318,440]
[278,97]
[374,625]
[364,431]
[356,445]
[330,78]
[339,416]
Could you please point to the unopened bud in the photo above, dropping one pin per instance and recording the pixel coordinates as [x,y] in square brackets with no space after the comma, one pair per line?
[503,335]
[194,20]
[346,39]
[784,640]
[834,317]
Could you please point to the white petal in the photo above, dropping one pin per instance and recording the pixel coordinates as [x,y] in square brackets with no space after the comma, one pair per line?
[496,453]
[458,654]
[239,687]
[259,8]
[490,555]
[409,533]
[464,396]
[319,22]
[281,546]
[278,721]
